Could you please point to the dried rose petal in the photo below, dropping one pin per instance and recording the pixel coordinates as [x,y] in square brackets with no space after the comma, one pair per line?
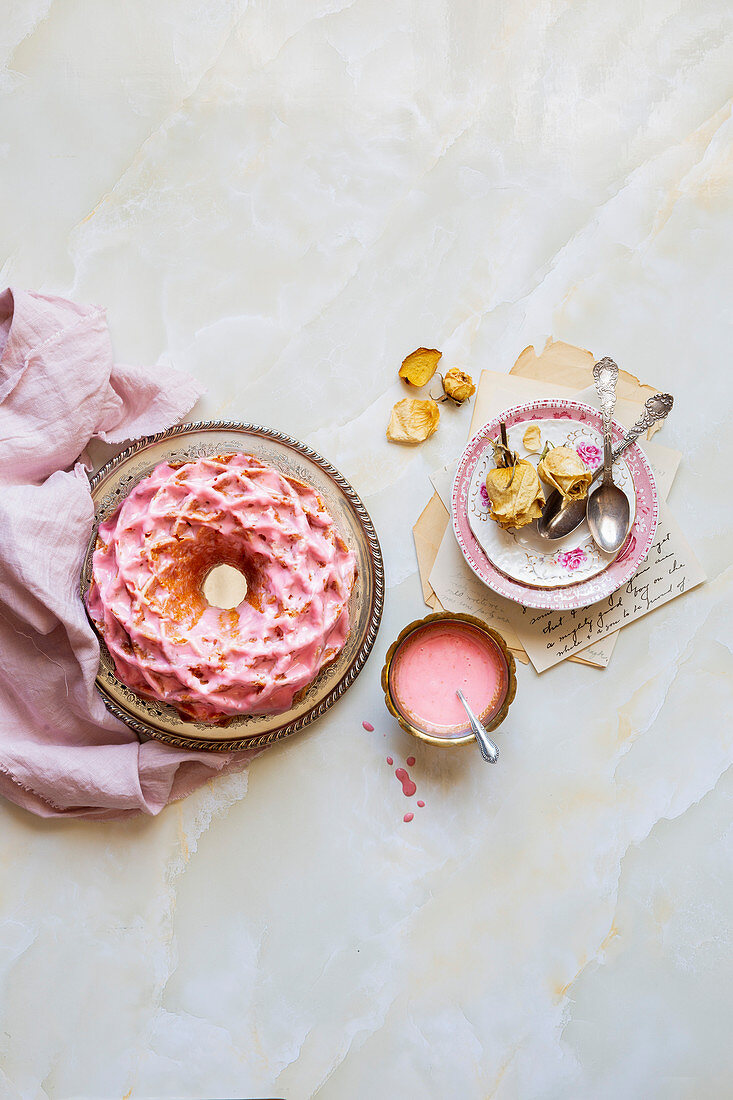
[419,367]
[532,440]
[412,420]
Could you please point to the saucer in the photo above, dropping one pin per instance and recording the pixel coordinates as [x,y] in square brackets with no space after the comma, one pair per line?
[522,553]
[586,591]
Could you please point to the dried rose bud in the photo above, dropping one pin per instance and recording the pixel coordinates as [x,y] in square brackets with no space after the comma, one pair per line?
[458,385]
[515,493]
[563,469]
[412,420]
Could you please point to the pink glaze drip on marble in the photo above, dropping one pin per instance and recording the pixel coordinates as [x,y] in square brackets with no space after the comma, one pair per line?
[408,787]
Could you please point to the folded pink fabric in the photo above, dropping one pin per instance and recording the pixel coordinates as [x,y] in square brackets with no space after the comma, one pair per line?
[61,751]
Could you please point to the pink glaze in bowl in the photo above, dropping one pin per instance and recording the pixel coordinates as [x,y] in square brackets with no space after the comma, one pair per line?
[430,660]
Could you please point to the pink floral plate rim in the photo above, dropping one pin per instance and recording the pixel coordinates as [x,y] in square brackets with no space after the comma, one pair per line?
[632,554]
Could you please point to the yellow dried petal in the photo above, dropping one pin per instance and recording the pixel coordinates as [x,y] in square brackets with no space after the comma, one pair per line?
[419,367]
[564,470]
[515,493]
[412,420]
[458,385]
[532,440]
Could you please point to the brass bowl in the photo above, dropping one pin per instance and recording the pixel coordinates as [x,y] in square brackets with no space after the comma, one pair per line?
[489,720]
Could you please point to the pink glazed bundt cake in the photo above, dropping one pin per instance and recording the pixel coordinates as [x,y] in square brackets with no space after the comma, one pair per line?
[154,554]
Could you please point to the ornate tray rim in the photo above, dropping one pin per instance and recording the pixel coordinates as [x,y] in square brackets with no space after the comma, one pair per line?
[375,555]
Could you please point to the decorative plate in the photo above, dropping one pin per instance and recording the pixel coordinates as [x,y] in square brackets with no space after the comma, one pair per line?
[522,554]
[587,591]
[187,442]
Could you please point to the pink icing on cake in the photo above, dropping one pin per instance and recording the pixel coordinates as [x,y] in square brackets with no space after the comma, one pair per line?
[154,553]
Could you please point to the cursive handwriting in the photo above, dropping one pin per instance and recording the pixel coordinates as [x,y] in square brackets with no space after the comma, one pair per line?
[669,570]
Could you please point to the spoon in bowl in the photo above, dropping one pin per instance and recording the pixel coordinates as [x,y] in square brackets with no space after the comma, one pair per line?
[559,516]
[608,510]
[488,749]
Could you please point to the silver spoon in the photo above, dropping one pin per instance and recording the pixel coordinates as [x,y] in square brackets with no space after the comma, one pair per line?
[559,516]
[608,511]
[487,748]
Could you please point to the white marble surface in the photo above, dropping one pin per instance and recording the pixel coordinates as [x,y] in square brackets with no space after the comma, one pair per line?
[285,198]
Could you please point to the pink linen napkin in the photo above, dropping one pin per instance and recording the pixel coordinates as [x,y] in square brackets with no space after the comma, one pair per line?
[61,751]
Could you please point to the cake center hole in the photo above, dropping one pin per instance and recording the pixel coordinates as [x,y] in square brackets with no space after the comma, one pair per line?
[224,587]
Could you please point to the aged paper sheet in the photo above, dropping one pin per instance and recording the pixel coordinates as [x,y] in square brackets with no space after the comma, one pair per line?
[439,558]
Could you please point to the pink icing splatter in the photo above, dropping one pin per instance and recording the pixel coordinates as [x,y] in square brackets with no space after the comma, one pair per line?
[410,761]
[368,727]
[408,787]
[571,559]
[390,761]
[408,817]
[420,803]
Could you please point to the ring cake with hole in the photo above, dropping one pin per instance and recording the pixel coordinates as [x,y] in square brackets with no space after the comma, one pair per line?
[221,587]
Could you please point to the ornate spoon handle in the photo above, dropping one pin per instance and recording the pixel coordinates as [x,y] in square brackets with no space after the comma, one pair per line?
[605,373]
[655,408]
[488,748]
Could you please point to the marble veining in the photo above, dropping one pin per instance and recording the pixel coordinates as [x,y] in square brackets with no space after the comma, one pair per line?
[285,199]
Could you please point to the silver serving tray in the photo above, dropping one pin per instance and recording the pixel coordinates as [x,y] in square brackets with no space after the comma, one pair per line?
[187,442]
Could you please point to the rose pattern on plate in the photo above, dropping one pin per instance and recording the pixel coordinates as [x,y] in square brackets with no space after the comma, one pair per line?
[589,454]
[484,494]
[571,559]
